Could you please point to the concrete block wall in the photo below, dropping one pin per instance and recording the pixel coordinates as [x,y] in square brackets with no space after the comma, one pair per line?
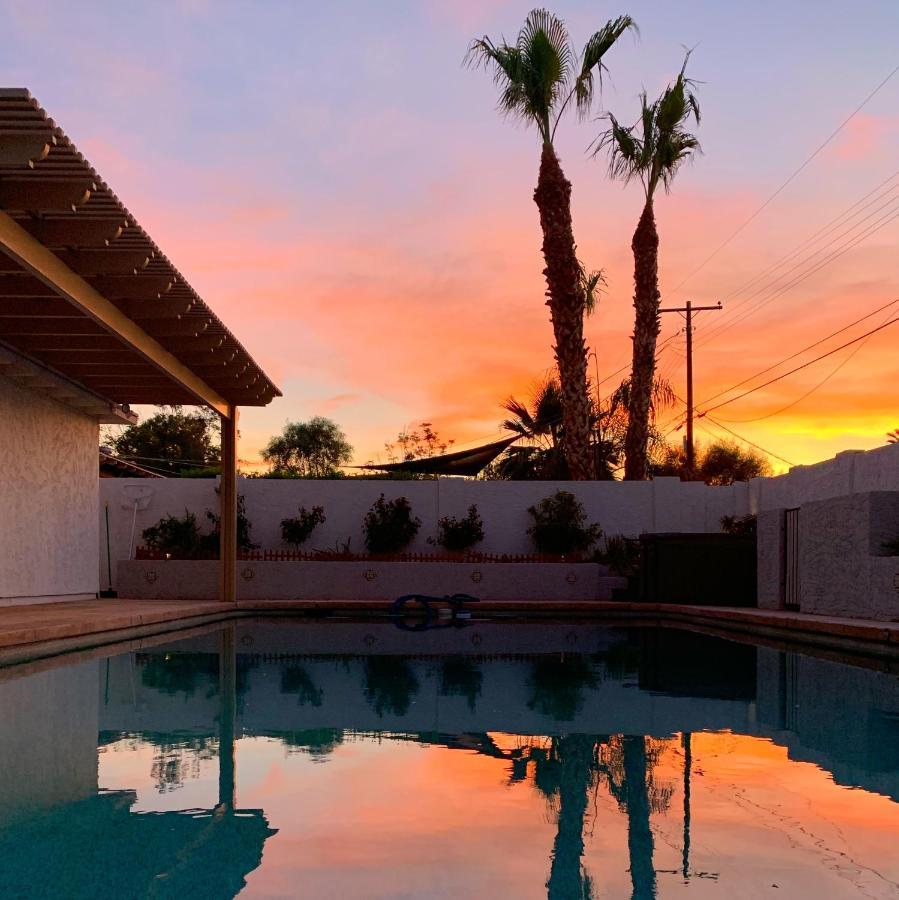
[628,508]
[843,567]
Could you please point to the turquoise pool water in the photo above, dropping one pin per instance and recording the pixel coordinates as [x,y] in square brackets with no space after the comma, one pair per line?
[356,760]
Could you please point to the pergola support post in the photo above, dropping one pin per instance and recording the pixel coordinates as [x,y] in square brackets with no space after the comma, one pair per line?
[228,508]
[228,704]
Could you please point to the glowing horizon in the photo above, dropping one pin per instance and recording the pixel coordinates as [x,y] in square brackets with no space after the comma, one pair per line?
[344,195]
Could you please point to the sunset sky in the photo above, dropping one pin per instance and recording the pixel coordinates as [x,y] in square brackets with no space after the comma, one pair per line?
[344,195]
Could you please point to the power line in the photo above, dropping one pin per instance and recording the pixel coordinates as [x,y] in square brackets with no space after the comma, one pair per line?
[817,343]
[772,284]
[805,365]
[812,238]
[795,173]
[877,226]
[841,365]
[729,430]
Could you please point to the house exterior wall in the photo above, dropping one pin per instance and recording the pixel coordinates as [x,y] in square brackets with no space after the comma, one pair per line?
[48,499]
[49,740]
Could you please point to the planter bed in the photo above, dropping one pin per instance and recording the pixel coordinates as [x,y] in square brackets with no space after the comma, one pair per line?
[172,579]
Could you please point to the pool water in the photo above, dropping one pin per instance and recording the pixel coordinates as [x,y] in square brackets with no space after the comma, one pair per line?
[357,760]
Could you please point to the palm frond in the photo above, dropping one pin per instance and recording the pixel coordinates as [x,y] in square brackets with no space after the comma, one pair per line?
[654,148]
[663,395]
[626,152]
[591,286]
[533,73]
[594,50]
[523,422]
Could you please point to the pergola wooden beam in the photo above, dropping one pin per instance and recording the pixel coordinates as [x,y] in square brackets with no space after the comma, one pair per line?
[46,266]
[44,195]
[73,231]
[84,286]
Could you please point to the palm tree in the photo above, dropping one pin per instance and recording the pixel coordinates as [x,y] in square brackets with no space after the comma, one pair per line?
[653,155]
[543,420]
[538,77]
[893,436]
[539,421]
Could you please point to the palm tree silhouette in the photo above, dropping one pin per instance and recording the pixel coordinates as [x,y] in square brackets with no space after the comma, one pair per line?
[538,77]
[653,155]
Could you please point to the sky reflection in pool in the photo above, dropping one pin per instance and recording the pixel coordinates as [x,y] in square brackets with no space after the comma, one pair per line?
[560,761]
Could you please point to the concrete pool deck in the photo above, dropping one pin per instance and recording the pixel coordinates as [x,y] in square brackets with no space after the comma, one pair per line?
[80,623]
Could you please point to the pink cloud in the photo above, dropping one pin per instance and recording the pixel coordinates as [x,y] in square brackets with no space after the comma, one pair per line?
[861,137]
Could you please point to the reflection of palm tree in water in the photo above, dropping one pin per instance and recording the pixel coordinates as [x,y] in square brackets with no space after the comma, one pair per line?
[628,764]
[574,768]
[566,771]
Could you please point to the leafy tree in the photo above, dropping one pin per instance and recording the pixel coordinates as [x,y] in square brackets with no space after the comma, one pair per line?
[313,449]
[421,442]
[172,440]
[538,77]
[725,462]
[720,463]
[652,151]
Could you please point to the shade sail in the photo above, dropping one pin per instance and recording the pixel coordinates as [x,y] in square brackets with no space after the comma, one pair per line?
[460,462]
[86,292]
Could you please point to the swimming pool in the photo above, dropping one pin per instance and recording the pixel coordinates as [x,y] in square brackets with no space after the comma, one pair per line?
[341,759]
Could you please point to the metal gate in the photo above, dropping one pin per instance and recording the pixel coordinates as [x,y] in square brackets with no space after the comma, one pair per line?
[791,586]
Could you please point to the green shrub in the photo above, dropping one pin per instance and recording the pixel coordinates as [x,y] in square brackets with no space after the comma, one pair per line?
[176,536]
[742,525]
[389,525]
[620,554]
[211,541]
[297,530]
[458,535]
[559,525]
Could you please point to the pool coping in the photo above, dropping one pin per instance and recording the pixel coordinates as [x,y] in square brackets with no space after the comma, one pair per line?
[60,627]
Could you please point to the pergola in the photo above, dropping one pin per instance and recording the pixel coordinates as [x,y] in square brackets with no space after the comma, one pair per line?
[94,312]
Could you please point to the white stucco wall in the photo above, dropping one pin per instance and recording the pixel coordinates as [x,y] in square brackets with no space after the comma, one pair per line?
[666,504]
[48,498]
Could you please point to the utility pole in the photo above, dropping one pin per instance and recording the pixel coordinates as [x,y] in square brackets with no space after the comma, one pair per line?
[687,312]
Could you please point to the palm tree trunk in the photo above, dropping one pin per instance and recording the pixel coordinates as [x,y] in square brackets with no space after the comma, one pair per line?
[566,306]
[567,878]
[645,245]
[639,831]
